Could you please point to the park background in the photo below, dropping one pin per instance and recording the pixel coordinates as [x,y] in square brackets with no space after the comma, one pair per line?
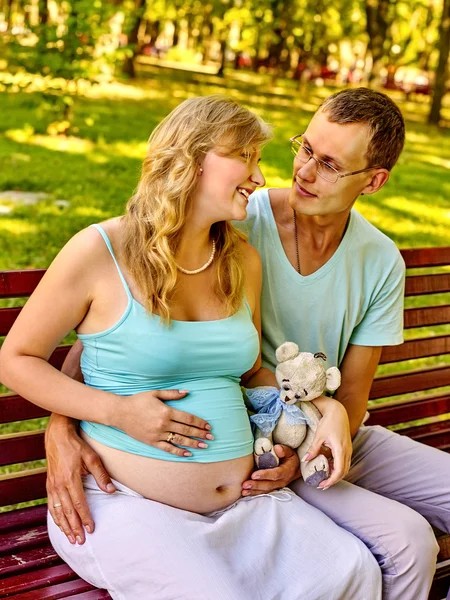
[83,83]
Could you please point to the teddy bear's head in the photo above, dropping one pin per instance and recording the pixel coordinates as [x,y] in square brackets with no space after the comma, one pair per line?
[302,375]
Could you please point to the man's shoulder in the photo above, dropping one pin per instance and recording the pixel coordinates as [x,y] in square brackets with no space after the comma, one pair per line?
[372,239]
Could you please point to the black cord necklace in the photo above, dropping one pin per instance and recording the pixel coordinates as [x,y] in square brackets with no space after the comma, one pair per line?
[296,243]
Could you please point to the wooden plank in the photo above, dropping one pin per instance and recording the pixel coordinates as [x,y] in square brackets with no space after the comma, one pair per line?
[433,434]
[444,547]
[22,487]
[409,411]
[426,257]
[7,318]
[61,590]
[15,284]
[17,541]
[424,317]
[21,447]
[29,560]
[35,580]
[417,285]
[15,408]
[23,518]
[94,595]
[441,581]
[413,381]
[417,348]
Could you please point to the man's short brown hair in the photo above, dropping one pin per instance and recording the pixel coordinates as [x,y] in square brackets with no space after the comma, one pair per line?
[382,115]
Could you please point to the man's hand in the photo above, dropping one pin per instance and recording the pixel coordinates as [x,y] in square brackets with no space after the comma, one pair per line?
[69,457]
[268,480]
[333,433]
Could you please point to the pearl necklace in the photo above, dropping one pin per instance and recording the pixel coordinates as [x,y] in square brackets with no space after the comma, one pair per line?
[205,266]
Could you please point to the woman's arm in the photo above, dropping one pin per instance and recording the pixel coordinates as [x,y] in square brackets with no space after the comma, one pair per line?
[61,301]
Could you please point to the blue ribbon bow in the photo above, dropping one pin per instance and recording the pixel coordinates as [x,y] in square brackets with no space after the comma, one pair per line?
[269,405]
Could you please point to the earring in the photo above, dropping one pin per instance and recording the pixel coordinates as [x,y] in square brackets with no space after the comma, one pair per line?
[201,170]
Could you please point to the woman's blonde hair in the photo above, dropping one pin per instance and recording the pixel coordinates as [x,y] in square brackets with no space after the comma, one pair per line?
[156,212]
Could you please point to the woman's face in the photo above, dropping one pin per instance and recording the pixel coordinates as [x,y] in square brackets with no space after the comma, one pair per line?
[225,184]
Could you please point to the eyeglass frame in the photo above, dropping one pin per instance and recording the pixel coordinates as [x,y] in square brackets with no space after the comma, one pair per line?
[320,162]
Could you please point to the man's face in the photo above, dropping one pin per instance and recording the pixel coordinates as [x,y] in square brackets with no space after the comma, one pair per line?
[343,146]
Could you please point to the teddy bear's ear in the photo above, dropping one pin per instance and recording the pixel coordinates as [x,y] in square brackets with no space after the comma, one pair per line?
[286,351]
[333,379]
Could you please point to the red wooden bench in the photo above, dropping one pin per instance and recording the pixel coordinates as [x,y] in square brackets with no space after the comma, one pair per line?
[29,567]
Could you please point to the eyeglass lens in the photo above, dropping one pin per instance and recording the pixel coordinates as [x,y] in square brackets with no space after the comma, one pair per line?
[303,154]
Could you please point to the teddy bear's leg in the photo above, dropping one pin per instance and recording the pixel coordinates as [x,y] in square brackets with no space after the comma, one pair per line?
[317,469]
[265,457]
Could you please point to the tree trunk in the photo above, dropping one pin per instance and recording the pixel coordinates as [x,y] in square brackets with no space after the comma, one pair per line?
[377,13]
[43,12]
[442,68]
[133,39]
[223,52]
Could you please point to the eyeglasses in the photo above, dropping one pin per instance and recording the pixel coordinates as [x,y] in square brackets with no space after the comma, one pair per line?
[324,170]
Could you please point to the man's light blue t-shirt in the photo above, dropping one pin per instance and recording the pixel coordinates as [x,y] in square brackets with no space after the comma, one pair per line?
[355,298]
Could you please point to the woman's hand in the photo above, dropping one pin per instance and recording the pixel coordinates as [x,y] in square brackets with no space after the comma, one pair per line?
[333,432]
[146,418]
[68,458]
[267,480]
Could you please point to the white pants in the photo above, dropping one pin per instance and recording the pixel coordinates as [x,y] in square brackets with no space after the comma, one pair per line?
[271,547]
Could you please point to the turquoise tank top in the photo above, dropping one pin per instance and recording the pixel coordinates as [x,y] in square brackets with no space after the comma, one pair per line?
[140,353]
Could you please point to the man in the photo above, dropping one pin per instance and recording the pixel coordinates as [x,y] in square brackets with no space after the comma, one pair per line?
[333,283]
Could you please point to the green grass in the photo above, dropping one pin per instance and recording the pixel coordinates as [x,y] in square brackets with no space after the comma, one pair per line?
[98,167]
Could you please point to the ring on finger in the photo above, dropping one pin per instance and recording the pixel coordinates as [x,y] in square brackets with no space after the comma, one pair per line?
[57,505]
[170,437]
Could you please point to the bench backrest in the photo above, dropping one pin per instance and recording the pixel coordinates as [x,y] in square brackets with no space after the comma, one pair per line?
[430,312]
[413,381]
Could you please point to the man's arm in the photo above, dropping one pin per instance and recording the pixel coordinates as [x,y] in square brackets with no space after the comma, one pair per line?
[69,457]
[358,370]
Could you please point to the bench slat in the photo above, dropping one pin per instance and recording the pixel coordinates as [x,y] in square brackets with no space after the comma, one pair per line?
[417,285]
[29,560]
[423,317]
[71,589]
[440,585]
[409,411]
[15,408]
[36,579]
[444,547]
[23,518]
[436,435]
[21,447]
[23,488]
[417,348]
[426,257]
[23,540]
[15,284]
[414,381]
[7,318]
[94,595]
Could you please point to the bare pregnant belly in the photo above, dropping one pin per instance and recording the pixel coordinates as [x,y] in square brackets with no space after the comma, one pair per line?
[197,487]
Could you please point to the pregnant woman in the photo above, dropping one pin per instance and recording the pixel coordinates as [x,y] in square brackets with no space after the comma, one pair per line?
[166,302]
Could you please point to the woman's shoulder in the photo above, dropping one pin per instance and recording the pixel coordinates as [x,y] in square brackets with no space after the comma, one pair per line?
[252,260]
[87,246]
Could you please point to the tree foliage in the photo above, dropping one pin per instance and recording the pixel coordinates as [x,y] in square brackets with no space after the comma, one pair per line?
[85,39]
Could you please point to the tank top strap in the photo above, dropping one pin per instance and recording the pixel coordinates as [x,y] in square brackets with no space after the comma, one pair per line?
[247,306]
[107,241]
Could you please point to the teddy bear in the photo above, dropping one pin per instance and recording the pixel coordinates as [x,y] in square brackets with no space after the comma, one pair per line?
[287,416]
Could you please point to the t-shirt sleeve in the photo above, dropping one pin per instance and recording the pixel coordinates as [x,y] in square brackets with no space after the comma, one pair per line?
[382,324]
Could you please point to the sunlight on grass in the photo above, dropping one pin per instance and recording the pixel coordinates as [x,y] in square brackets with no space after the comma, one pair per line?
[59,143]
[17,227]
[89,211]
